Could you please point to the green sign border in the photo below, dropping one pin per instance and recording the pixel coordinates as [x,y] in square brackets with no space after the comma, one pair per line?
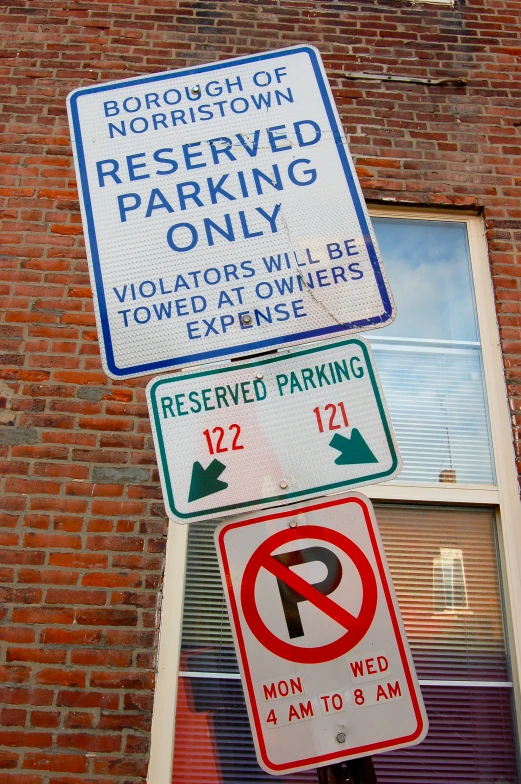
[216,511]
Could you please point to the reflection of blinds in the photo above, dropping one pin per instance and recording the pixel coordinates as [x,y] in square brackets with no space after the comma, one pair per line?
[470,739]
[464,644]
[447,642]
[471,735]
[436,400]
[206,627]
[213,742]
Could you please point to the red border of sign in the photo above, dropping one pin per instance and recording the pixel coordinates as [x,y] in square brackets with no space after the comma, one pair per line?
[359,751]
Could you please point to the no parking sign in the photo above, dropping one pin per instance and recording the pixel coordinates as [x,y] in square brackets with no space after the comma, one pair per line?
[325,664]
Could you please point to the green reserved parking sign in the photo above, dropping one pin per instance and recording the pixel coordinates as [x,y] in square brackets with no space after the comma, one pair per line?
[270,431]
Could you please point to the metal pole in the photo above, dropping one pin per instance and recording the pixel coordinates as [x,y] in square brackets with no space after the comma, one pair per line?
[356,771]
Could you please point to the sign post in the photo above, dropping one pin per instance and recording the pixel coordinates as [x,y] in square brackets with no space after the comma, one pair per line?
[222,213]
[324,660]
[355,771]
[310,422]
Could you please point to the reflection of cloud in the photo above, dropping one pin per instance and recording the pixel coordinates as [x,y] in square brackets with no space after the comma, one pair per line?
[435,398]
[428,266]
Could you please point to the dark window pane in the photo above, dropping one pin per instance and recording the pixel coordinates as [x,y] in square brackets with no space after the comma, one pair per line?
[470,739]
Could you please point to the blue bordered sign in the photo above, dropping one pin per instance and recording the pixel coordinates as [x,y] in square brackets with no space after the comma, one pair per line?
[222,213]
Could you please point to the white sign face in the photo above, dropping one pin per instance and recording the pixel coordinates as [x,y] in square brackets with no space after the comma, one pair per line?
[268,431]
[222,213]
[325,665]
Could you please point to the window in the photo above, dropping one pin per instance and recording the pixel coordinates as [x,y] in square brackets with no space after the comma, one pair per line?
[449,585]
[443,521]
[429,359]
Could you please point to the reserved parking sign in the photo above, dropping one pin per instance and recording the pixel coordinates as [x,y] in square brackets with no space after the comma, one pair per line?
[222,213]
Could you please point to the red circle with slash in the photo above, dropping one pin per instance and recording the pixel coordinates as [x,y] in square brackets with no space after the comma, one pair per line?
[356,626]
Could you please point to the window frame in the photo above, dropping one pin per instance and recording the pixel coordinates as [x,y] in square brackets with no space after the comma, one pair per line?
[503,497]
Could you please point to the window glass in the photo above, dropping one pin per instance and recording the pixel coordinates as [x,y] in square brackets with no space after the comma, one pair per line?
[429,358]
[428,264]
[444,567]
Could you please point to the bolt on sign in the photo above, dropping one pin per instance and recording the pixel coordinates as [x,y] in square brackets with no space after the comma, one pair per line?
[222,213]
[324,659]
[268,431]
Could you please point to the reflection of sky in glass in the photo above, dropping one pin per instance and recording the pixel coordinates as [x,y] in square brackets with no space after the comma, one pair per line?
[437,405]
[434,389]
[428,266]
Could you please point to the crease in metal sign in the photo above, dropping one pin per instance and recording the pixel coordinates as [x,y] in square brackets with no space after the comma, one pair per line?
[310,421]
[222,213]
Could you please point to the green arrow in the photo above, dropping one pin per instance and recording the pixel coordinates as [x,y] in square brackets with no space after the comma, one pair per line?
[205,481]
[353,450]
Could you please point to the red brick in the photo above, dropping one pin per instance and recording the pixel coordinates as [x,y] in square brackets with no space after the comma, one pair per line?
[122,721]
[49,719]
[17,696]
[106,617]
[66,763]
[112,579]
[40,655]
[21,557]
[78,560]
[119,543]
[25,595]
[120,767]
[122,680]
[48,576]
[58,677]
[12,674]
[89,699]
[85,742]
[59,470]
[67,596]
[74,506]
[117,508]
[57,636]
[93,490]
[8,760]
[38,740]
[70,780]
[31,486]
[90,657]
[100,424]
[12,717]
[79,720]
[18,635]
[9,540]
[136,744]
[43,615]
[54,541]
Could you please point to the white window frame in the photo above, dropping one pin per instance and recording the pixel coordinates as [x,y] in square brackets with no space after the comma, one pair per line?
[504,497]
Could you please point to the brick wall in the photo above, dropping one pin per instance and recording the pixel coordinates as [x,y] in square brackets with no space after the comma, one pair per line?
[82,525]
